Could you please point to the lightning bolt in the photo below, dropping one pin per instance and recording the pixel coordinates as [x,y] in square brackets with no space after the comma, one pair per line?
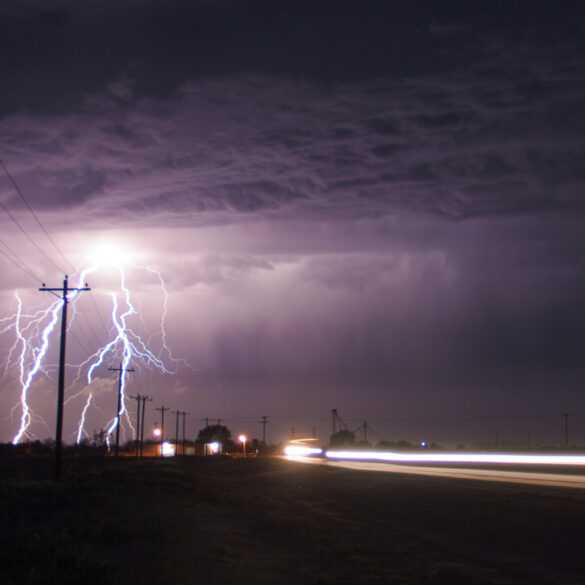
[32,341]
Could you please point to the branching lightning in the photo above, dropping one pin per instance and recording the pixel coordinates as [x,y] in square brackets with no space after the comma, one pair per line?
[34,335]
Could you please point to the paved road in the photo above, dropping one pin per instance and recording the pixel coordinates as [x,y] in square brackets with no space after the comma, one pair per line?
[556,479]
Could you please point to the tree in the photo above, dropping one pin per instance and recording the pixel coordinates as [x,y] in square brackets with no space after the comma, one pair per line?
[216,433]
[99,439]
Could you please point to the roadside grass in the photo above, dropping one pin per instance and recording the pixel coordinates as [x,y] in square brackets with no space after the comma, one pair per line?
[269,521]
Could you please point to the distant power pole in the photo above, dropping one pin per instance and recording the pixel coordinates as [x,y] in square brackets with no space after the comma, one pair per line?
[120,371]
[292,432]
[138,398]
[144,400]
[206,419]
[64,290]
[162,424]
[184,415]
[264,422]
[139,423]
[177,412]
[566,430]
[333,419]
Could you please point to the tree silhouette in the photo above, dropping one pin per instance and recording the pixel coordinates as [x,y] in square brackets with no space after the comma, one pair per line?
[216,433]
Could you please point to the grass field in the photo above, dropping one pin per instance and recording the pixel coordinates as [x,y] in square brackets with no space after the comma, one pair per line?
[269,521]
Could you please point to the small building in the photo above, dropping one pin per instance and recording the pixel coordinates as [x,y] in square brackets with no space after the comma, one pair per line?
[342,438]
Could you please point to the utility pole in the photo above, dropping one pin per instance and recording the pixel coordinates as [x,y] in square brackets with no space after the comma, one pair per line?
[206,419]
[138,398]
[333,419]
[144,400]
[184,415]
[120,371]
[219,421]
[64,290]
[177,412]
[264,422]
[365,431]
[162,424]
[292,433]
[566,430]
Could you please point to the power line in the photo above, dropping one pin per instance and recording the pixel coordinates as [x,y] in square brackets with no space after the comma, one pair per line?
[35,215]
[22,265]
[18,263]
[98,313]
[29,237]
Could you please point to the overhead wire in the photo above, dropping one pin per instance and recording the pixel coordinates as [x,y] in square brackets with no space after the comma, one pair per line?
[17,189]
[45,231]
[30,238]
[18,262]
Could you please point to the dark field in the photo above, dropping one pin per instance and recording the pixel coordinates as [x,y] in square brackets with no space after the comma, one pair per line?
[268,521]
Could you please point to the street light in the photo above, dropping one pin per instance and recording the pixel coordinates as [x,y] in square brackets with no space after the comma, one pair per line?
[243,439]
[158,435]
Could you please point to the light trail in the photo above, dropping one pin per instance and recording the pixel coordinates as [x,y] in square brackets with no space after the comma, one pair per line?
[540,473]
[492,475]
[461,458]
[302,450]
[34,335]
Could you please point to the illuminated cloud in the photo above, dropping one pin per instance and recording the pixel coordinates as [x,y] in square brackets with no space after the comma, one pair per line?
[370,208]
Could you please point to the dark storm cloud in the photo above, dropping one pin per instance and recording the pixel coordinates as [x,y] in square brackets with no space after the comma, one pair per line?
[74,48]
[378,199]
[452,112]
[436,145]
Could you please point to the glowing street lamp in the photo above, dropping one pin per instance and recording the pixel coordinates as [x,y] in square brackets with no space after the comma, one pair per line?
[243,439]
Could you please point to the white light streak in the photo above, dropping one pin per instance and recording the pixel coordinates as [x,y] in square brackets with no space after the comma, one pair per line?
[494,458]
[301,450]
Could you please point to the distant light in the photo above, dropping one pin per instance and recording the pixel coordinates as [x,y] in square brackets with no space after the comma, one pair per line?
[214,447]
[302,450]
[242,438]
[167,449]
[423,444]
[502,458]
[156,432]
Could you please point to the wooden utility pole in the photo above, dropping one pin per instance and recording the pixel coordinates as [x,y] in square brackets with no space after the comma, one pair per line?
[120,371]
[184,415]
[138,398]
[64,290]
[144,400]
[177,412]
[162,410]
[264,422]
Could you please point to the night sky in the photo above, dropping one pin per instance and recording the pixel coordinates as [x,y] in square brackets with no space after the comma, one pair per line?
[374,206]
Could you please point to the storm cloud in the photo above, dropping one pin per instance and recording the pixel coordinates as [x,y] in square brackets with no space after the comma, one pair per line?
[371,206]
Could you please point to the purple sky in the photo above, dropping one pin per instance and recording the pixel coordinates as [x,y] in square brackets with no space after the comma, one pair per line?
[371,206]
